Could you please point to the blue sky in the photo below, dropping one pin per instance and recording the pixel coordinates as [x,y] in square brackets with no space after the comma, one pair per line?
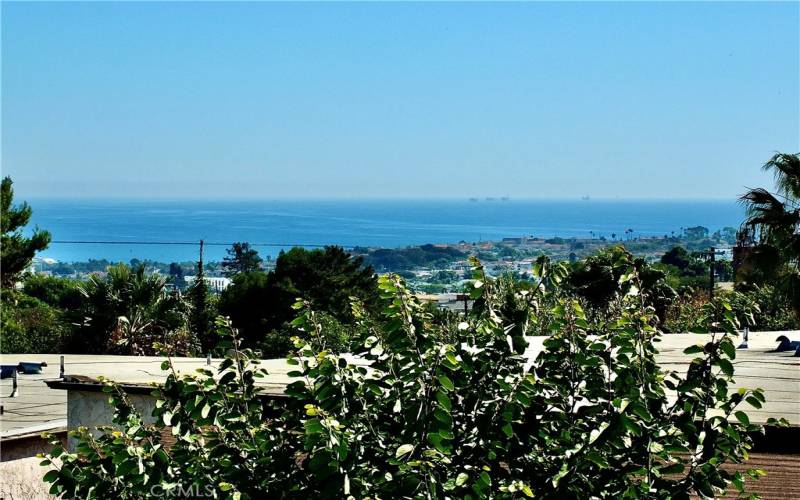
[265,100]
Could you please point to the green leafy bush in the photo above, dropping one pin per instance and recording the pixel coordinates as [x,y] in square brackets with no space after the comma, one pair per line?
[62,293]
[415,412]
[772,308]
[597,281]
[761,308]
[684,315]
[29,325]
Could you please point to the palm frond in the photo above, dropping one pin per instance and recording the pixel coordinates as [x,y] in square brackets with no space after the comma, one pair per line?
[768,216]
[786,169]
[762,207]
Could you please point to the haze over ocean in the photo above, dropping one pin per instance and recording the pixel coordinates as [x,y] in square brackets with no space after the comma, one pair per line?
[385,223]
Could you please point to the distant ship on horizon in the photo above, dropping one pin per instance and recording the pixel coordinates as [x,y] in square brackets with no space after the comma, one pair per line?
[585,197]
[491,198]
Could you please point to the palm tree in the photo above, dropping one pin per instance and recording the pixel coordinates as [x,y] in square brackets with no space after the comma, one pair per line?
[128,312]
[773,224]
[628,233]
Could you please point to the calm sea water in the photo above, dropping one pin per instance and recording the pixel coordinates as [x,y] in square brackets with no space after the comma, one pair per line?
[386,223]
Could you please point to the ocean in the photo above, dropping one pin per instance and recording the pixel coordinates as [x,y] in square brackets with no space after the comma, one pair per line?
[386,223]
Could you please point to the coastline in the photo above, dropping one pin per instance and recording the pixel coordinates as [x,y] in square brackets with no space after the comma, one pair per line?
[388,224]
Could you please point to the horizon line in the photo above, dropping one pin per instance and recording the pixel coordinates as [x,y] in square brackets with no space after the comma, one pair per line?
[474,199]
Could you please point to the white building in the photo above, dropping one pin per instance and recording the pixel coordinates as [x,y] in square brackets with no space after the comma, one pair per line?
[216,283]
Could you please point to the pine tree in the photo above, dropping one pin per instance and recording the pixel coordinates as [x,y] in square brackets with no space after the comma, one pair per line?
[241,259]
[17,251]
[201,316]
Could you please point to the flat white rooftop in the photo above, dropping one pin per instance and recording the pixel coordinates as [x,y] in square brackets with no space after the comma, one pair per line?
[39,408]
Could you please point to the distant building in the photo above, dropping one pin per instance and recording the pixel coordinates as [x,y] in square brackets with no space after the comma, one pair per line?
[215,283]
[452,301]
[724,253]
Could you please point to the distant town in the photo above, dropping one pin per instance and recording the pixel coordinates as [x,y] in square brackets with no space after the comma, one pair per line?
[441,268]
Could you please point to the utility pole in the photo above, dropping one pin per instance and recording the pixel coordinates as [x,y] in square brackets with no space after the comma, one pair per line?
[200,263]
[465,298]
[712,260]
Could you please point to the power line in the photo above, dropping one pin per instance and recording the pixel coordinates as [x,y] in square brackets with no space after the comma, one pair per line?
[184,243]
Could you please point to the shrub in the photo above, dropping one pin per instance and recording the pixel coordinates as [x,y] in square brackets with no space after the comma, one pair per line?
[62,293]
[30,326]
[596,280]
[761,308]
[684,315]
[773,310]
[420,414]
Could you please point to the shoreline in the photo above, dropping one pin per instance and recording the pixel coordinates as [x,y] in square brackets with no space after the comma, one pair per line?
[511,253]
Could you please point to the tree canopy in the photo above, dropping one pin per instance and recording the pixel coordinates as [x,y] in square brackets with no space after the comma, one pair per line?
[327,278]
[678,257]
[596,280]
[259,303]
[241,259]
[16,250]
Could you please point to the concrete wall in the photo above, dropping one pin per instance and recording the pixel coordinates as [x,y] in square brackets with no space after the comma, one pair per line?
[91,409]
[20,472]
[22,479]
[28,446]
